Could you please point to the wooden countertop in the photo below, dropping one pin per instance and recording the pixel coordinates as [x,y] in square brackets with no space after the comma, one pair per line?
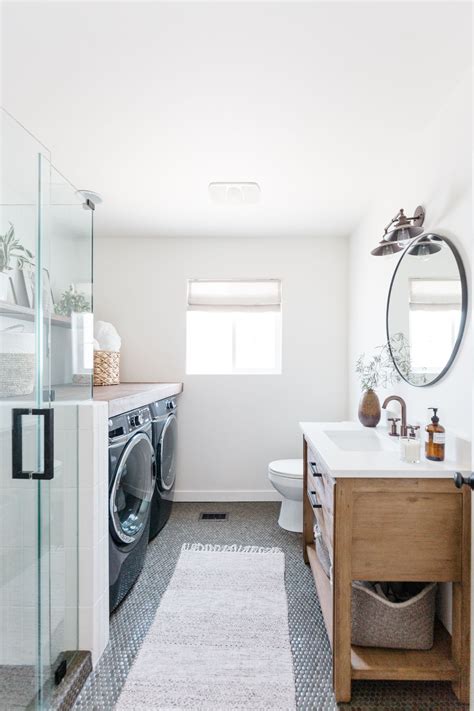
[128,396]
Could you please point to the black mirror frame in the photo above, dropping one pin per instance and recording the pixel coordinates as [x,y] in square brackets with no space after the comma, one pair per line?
[464,308]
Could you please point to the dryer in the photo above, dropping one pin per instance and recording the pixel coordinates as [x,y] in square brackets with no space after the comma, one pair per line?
[131,487]
[164,422]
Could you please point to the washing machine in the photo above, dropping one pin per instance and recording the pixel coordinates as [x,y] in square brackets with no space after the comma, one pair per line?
[164,424]
[131,487]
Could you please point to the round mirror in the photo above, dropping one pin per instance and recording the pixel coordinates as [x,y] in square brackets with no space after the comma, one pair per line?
[426,309]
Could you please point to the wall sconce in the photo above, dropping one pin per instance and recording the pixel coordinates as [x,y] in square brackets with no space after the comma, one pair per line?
[426,245]
[400,229]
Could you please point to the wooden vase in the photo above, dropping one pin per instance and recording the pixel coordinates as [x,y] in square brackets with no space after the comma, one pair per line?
[369,409]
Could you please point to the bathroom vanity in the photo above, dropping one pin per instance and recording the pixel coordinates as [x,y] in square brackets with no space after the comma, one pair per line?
[385,520]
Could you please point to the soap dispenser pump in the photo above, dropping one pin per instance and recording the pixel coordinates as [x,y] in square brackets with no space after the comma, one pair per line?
[435,438]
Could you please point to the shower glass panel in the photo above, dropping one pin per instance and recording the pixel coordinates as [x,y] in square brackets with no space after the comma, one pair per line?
[45,377]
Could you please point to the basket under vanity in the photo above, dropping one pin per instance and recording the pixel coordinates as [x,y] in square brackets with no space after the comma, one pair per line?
[385,520]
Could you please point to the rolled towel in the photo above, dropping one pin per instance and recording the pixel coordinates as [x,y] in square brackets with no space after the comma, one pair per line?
[107,337]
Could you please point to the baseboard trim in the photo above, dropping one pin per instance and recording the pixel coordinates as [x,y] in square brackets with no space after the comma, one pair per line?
[233,495]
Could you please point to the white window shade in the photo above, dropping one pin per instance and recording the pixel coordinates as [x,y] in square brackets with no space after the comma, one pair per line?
[234,295]
[435,292]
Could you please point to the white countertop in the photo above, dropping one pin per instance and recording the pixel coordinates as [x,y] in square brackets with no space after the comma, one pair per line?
[383,460]
[129,396]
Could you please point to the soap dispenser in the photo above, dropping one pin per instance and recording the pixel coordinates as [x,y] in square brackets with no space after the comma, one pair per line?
[435,438]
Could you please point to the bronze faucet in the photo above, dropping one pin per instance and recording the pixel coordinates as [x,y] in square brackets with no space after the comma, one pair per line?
[403,406]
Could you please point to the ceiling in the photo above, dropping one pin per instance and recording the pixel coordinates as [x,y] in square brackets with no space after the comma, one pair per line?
[147,103]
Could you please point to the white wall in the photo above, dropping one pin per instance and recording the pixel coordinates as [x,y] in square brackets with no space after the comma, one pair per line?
[434,171]
[231,426]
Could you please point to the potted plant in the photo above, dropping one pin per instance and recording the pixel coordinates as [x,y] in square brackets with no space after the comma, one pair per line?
[72,301]
[375,371]
[11,249]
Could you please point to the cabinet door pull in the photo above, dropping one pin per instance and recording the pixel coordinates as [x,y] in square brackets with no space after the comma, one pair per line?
[314,470]
[313,500]
[461,480]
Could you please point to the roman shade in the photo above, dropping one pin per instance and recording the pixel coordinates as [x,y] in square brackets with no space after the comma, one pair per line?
[234,295]
[426,294]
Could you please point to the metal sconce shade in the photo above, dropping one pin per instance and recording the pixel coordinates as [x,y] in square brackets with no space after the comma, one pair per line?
[426,246]
[386,248]
[404,233]
[400,229]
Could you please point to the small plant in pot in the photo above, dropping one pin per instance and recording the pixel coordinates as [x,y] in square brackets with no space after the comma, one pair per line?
[13,258]
[72,301]
[374,372]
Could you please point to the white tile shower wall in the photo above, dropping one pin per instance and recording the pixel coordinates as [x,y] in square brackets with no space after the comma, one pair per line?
[57,562]
[93,529]
[231,426]
[435,171]
[75,509]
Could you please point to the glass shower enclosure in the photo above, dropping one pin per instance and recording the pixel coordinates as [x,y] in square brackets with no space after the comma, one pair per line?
[46,341]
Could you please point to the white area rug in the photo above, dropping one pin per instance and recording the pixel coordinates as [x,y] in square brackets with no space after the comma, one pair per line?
[220,637]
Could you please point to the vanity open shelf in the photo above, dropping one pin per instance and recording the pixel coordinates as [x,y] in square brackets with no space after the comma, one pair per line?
[382,528]
[374,663]
[435,664]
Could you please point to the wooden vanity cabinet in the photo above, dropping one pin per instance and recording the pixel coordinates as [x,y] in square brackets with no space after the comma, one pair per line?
[378,529]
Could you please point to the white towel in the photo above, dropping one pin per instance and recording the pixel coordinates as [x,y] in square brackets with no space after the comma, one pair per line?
[106,336]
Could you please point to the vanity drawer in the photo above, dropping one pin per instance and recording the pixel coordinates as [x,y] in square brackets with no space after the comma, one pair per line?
[322,480]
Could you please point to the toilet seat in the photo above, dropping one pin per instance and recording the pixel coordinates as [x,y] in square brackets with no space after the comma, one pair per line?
[288,468]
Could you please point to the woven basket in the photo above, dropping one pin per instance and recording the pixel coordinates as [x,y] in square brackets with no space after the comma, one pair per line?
[377,622]
[106,368]
[17,374]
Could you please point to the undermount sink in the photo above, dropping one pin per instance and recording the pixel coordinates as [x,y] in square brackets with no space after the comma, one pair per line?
[359,441]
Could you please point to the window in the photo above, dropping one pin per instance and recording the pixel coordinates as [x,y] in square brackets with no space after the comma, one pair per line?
[233,327]
[435,315]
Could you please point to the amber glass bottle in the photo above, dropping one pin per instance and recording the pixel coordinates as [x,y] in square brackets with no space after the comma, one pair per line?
[435,439]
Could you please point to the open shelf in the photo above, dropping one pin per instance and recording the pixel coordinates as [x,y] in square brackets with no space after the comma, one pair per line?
[434,664]
[25,313]
[412,665]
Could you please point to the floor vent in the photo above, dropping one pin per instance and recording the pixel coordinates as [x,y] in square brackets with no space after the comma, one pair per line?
[204,516]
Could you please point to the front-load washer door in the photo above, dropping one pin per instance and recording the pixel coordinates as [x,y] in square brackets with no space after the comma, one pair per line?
[132,489]
[167,454]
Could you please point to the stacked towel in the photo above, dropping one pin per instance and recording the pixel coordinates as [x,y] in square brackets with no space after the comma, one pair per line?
[106,337]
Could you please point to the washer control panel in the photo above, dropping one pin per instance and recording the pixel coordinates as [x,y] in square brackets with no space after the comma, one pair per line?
[137,418]
[163,408]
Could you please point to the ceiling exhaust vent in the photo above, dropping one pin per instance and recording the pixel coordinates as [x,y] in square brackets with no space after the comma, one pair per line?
[235,193]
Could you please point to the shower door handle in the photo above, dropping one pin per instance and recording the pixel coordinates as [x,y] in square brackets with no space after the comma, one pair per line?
[17,444]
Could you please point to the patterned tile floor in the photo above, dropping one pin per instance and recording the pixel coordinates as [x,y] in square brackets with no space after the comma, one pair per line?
[248,524]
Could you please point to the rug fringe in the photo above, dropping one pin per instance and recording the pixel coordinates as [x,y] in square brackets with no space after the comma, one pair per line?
[205,547]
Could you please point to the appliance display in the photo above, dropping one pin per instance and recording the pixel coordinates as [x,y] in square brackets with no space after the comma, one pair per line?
[164,424]
[131,486]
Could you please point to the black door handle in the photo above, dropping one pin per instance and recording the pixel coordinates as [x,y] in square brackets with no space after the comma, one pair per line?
[17,444]
[460,480]
[312,466]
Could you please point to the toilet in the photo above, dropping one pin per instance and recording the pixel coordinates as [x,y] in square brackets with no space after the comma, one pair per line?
[286,475]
